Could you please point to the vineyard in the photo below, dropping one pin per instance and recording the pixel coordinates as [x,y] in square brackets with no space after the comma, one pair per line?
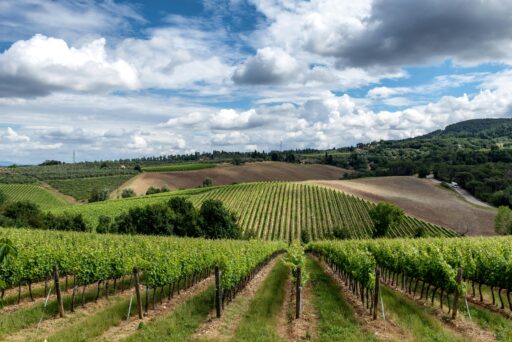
[34,193]
[81,188]
[179,167]
[278,210]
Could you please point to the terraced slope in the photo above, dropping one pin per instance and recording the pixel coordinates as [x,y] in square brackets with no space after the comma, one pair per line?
[34,193]
[279,210]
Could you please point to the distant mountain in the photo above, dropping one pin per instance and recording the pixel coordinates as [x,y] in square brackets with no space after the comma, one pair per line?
[477,128]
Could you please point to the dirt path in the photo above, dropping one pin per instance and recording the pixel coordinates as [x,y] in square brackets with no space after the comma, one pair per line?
[383,330]
[465,195]
[422,199]
[304,328]
[460,325]
[224,328]
[128,327]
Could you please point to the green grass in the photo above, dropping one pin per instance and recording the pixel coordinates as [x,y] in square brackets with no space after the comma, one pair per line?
[259,323]
[275,210]
[179,167]
[489,321]
[81,188]
[416,320]
[34,193]
[336,320]
[181,323]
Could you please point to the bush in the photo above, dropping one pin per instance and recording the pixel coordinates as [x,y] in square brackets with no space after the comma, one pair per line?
[104,223]
[305,237]
[217,222]
[153,219]
[423,172]
[503,221]
[99,195]
[3,198]
[24,214]
[128,192]
[341,233]
[66,222]
[207,182]
[152,190]
[385,216]
[185,218]
[138,168]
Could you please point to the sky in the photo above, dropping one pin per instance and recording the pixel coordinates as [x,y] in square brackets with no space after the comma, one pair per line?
[117,79]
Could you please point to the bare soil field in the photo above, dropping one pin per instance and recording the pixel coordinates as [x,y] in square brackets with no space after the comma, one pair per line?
[422,199]
[228,174]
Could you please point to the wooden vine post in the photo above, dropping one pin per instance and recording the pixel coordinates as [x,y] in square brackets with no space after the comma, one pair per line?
[137,291]
[218,299]
[298,300]
[376,293]
[57,290]
[457,294]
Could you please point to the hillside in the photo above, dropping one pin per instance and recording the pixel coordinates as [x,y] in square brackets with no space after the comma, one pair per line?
[229,174]
[424,199]
[277,210]
[33,193]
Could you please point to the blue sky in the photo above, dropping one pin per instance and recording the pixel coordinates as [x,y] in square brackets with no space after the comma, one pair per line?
[115,79]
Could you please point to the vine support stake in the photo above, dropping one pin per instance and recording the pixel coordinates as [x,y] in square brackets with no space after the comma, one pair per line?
[376,293]
[57,290]
[457,294]
[137,291]
[217,292]
[298,300]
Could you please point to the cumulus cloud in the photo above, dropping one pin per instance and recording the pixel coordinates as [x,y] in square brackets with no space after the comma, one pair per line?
[231,119]
[41,65]
[12,136]
[270,65]
[230,139]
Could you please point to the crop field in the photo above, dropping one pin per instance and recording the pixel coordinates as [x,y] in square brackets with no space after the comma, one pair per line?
[179,167]
[228,174]
[424,199]
[81,188]
[33,193]
[277,210]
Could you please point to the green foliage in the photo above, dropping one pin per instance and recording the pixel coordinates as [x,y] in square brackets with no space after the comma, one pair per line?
[217,222]
[385,217]
[104,223]
[137,168]
[3,197]
[98,195]
[185,218]
[295,259]
[341,233]
[179,167]
[503,223]
[423,171]
[24,214]
[152,190]
[305,237]
[128,192]
[207,182]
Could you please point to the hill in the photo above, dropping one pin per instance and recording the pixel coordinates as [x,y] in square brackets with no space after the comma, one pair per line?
[33,193]
[424,199]
[229,174]
[276,210]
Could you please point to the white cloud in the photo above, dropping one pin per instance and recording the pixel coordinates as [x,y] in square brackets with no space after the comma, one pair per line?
[41,65]
[231,119]
[11,136]
[231,138]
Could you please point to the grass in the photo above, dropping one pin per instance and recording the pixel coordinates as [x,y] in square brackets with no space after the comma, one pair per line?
[414,319]
[181,323]
[34,193]
[488,320]
[179,167]
[259,323]
[81,188]
[336,320]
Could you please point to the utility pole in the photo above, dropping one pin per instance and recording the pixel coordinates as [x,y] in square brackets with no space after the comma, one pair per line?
[74,157]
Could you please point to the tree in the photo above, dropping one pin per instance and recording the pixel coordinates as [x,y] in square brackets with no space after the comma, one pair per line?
[3,198]
[185,218]
[341,233]
[423,172]
[305,237]
[503,221]
[217,222]
[207,182]
[24,214]
[137,168]
[128,192]
[99,195]
[385,216]
[104,223]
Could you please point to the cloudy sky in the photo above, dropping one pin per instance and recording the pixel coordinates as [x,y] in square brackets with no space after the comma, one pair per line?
[114,79]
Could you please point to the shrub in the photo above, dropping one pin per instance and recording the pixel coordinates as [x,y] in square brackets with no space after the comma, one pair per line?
[305,237]
[385,216]
[99,195]
[24,214]
[503,221]
[128,192]
[153,219]
[137,168]
[185,218]
[104,223]
[217,222]
[3,198]
[423,172]
[207,182]
[341,233]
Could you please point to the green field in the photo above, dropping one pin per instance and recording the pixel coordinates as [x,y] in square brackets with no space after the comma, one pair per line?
[179,167]
[81,188]
[33,193]
[276,210]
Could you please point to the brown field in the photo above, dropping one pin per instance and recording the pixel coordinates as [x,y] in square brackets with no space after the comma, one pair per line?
[228,174]
[423,199]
